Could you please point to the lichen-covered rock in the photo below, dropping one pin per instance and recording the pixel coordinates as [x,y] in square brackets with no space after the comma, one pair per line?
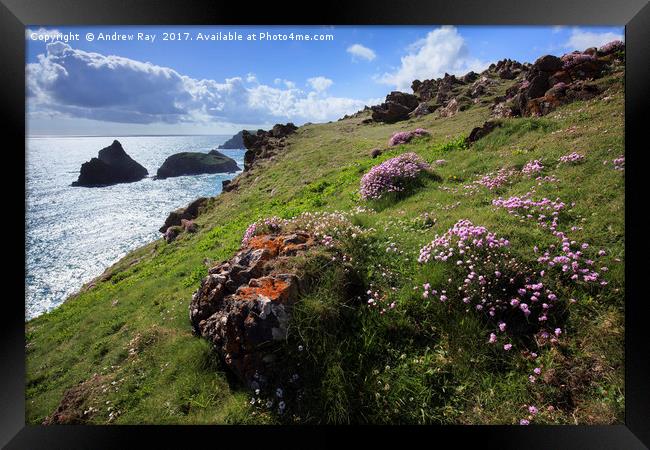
[245,304]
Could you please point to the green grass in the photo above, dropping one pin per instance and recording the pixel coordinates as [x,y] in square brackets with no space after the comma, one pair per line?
[421,363]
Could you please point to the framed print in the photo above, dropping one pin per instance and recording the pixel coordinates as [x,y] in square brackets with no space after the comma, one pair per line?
[425,217]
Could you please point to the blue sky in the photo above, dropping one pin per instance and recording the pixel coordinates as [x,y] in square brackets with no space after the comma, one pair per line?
[185,86]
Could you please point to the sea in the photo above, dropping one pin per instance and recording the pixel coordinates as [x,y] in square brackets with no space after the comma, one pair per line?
[74,233]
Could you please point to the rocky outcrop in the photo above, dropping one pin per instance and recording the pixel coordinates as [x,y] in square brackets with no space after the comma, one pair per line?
[397,107]
[195,163]
[111,166]
[441,90]
[507,69]
[245,304]
[190,212]
[265,144]
[553,81]
[235,142]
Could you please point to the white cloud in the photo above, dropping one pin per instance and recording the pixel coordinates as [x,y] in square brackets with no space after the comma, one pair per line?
[72,83]
[557,28]
[442,50]
[581,40]
[359,51]
[320,84]
[287,83]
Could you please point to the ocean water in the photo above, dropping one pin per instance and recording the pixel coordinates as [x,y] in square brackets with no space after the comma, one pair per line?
[74,233]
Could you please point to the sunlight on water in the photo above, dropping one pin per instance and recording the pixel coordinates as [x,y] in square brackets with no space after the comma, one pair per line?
[74,233]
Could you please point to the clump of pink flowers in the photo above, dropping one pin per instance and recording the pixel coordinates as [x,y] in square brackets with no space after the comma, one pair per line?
[570,60]
[612,47]
[572,158]
[491,282]
[532,167]
[404,137]
[457,238]
[329,227]
[619,163]
[494,181]
[392,175]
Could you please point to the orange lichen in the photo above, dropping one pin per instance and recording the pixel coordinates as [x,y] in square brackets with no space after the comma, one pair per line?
[272,244]
[271,288]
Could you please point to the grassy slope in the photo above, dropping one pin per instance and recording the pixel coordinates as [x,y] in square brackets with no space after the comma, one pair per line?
[133,330]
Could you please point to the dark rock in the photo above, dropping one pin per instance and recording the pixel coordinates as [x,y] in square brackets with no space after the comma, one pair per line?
[591,51]
[397,107]
[479,132]
[548,63]
[375,152]
[470,77]
[538,86]
[235,142]
[111,166]
[190,212]
[559,77]
[194,163]
[265,144]
[172,233]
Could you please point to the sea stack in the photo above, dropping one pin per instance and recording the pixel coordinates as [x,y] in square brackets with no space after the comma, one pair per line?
[195,163]
[111,166]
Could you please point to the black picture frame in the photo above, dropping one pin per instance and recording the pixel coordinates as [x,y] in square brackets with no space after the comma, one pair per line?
[15,15]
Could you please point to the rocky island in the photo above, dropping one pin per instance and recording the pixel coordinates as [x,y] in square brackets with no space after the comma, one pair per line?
[111,166]
[195,163]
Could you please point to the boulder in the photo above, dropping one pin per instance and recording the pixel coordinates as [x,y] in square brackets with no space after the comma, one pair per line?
[450,109]
[469,77]
[482,131]
[548,63]
[245,304]
[190,212]
[537,87]
[195,163]
[422,110]
[111,166]
[397,107]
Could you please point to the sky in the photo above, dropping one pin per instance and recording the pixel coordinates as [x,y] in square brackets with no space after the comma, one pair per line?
[222,79]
